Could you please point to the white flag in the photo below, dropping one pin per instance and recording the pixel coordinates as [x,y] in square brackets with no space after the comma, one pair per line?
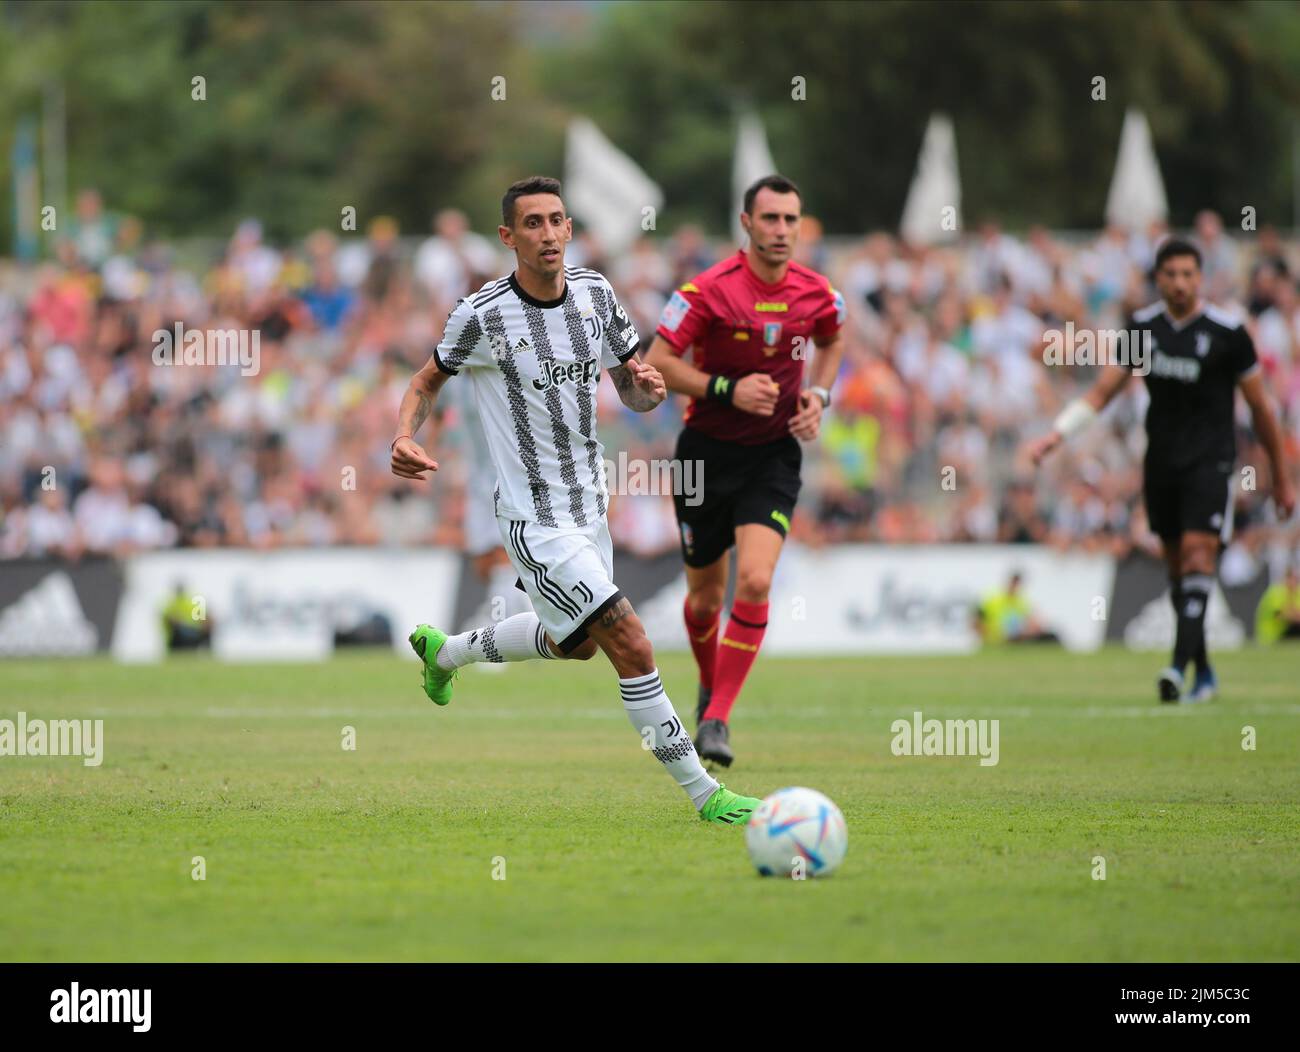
[753,160]
[935,189]
[605,188]
[1137,193]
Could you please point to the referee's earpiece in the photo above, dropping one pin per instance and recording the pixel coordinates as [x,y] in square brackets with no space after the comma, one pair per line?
[759,247]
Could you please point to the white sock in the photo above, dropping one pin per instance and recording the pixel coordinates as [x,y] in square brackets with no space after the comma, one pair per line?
[518,638]
[654,718]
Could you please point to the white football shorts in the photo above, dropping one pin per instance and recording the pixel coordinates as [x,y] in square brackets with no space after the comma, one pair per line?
[567,573]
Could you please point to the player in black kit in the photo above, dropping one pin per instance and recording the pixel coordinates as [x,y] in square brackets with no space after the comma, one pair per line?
[1197,356]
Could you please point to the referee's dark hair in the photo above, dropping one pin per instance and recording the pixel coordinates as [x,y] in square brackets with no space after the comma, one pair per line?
[1177,247]
[534,184]
[778,183]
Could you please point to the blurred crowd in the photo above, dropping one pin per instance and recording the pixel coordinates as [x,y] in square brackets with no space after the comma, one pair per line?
[105,449]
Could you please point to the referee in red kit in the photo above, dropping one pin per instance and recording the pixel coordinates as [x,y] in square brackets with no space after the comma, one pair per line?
[752,319]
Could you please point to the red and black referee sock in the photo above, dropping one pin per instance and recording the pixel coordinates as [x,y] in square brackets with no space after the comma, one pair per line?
[703,634]
[736,654]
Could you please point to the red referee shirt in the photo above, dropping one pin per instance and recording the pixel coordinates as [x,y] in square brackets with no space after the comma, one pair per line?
[740,325]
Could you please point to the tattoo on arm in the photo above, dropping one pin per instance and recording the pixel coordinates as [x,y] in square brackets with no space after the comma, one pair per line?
[423,408]
[415,409]
[633,397]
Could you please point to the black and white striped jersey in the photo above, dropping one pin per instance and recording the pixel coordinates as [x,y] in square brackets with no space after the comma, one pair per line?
[534,366]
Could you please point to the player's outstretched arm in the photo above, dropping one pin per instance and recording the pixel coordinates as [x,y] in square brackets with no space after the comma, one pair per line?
[1270,435]
[409,460]
[1081,412]
[640,386]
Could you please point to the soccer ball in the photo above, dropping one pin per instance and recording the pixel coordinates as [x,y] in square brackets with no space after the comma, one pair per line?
[796,832]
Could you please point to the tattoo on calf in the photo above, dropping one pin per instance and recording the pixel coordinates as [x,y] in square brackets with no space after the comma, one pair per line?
[615,613]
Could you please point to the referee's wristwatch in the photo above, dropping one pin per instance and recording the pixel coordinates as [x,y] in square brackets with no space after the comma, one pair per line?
[824,394]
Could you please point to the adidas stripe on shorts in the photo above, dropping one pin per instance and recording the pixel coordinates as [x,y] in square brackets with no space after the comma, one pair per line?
[568,573]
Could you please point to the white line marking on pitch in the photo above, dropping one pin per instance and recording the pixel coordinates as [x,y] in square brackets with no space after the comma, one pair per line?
[802,713]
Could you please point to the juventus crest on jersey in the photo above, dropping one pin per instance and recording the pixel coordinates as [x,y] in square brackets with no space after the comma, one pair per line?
[534,366]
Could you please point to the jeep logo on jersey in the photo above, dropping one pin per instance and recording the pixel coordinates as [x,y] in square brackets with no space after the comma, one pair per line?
[1168,367]
[557,373]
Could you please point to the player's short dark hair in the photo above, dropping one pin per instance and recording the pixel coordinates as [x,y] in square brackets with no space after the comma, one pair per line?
[777,183]
[534,184]
[1177,247]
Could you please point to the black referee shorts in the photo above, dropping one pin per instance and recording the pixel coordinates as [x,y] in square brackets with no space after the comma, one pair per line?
[740,485]
[1198,497]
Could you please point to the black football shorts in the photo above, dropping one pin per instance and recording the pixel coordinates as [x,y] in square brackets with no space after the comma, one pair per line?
[1199,497]
[738,485]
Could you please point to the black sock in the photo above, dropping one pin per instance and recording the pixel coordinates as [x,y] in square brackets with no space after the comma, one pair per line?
[1193,596]
[1176,601]
[1201,659]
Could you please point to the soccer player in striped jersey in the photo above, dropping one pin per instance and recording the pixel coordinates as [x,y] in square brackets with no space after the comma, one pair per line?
[532,346]
[1195,357]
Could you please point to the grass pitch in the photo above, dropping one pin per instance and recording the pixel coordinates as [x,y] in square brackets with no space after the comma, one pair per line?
[387,852]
